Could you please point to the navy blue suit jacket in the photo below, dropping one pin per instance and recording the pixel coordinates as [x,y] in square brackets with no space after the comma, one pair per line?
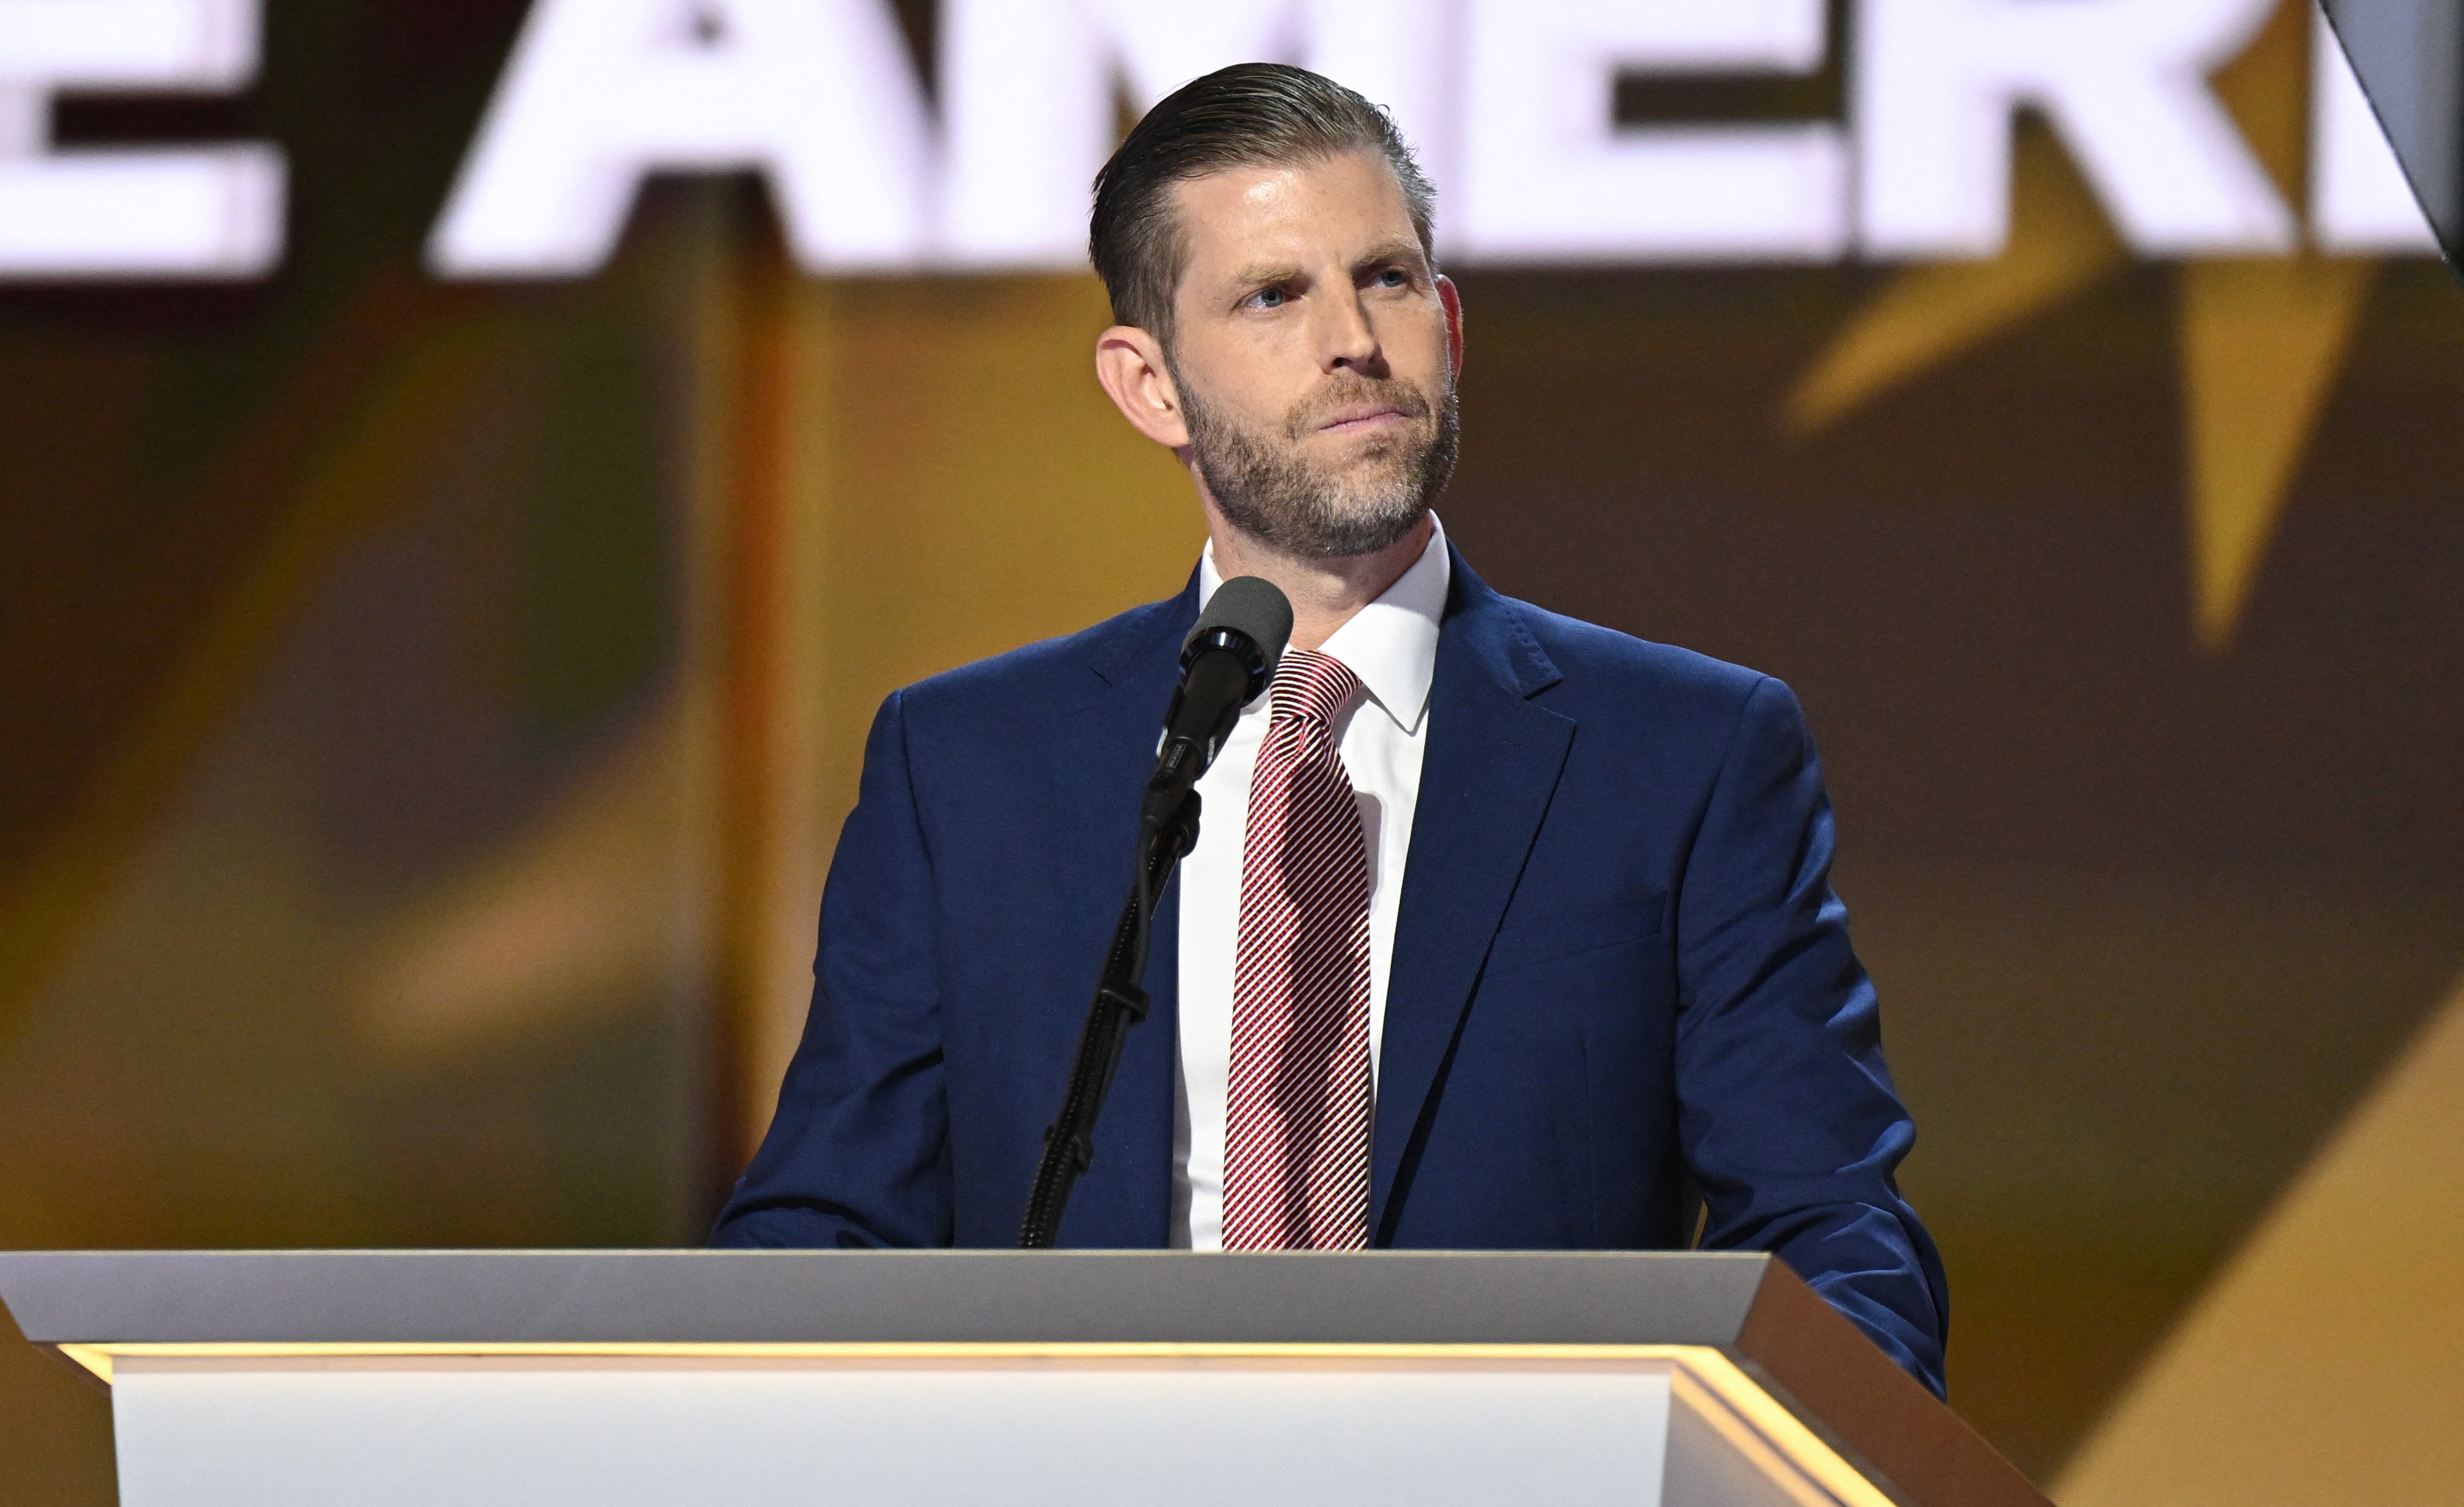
[1618,957]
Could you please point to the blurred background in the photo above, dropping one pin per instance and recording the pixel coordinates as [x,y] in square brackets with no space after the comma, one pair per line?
[448,562]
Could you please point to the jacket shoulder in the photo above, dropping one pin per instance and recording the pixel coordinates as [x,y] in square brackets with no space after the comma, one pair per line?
[1603,667]
[1030,677]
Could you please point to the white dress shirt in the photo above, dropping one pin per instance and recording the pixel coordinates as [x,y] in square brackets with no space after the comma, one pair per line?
[1392,645]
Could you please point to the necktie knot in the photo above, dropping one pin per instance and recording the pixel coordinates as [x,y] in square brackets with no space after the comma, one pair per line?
[1312,687]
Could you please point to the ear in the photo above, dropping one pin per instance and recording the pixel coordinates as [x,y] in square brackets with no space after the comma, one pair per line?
[1130,363]
[1451,297]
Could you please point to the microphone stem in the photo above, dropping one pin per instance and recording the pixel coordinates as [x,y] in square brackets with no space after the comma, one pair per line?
[1120,1002]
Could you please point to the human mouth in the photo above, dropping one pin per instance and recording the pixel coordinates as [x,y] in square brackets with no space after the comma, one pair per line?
[1360,417]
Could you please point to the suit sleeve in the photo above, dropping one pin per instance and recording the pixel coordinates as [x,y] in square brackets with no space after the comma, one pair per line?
[1786,1108]
[857,1154]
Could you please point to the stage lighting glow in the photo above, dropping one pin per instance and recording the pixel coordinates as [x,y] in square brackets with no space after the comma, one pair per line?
[201,212]
[2125,82]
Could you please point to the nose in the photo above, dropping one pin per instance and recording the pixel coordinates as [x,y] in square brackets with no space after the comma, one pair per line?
[1348,342]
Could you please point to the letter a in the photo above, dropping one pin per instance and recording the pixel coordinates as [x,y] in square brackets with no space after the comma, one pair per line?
[817,94]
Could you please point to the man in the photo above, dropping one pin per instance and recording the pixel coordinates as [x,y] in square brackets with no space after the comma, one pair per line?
[1502,930]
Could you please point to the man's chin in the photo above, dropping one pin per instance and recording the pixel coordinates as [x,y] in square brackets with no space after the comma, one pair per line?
[1365,532]
[1371,470]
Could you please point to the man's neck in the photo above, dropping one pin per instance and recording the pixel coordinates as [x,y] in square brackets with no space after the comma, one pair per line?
[1325,594]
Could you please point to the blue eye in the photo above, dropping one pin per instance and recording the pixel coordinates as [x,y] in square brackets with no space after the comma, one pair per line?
[1270,298]
[1392,278]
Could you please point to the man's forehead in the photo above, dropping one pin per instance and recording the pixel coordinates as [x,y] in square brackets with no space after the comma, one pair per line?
[1344,206]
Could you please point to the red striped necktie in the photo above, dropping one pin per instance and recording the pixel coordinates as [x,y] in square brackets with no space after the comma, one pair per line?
[1296,1116]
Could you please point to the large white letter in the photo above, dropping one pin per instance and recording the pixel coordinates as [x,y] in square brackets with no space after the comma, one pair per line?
[1547,177]
[1396,53]
[1028,96]
[2359,200]
[2125,82]
[196,212]
[1027,106]
[818,94]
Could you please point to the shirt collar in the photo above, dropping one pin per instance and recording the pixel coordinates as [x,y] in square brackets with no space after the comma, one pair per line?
[1391,643]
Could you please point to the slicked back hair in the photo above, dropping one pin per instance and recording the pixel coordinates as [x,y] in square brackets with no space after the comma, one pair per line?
[1249,115]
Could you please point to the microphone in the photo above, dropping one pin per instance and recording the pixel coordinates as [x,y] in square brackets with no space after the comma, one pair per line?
[1225,662]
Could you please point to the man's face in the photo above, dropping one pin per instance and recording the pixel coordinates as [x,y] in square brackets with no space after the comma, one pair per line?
[1314,355]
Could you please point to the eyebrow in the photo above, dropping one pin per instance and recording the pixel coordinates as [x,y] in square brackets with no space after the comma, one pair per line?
[1266,275]
[1393,251]
[1263,274]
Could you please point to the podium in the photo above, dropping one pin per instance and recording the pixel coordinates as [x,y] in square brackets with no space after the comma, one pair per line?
[660,1378]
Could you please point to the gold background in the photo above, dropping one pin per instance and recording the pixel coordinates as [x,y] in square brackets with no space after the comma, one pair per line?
[426,710]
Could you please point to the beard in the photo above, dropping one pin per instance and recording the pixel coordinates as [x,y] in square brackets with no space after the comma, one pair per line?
[1268,487]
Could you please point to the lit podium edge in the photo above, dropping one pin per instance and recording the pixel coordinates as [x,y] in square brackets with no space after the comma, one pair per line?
[1740,1328]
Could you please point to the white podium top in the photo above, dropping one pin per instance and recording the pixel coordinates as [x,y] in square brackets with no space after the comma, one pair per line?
[852,1296]
[1737,1341]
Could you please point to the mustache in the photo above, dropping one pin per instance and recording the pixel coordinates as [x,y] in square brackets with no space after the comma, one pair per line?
[1348,388]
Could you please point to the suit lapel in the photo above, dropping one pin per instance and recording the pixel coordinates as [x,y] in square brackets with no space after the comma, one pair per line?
[1486,778]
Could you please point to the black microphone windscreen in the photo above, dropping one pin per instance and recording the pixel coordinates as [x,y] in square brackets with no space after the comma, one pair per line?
[1252,605]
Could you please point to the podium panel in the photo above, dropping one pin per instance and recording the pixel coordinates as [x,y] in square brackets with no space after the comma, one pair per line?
[657,1378]
[1096,1430]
